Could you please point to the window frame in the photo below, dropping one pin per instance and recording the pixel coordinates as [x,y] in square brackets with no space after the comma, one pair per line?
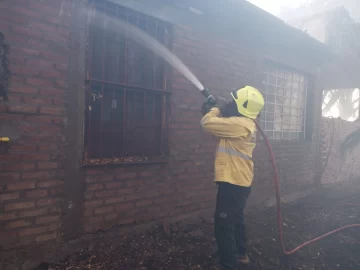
[300,134]
[127,87]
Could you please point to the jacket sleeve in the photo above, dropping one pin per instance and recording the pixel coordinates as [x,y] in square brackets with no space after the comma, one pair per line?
[215,125]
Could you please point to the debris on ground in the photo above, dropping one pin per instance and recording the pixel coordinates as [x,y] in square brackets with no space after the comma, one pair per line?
[193,246]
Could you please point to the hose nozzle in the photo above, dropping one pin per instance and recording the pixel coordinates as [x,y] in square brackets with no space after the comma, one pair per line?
[209,98]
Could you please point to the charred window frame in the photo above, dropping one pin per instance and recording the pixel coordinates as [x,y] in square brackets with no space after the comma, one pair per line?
[4,69]
[285,92]
[127,90]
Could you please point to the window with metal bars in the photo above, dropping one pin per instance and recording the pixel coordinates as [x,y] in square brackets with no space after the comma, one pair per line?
[285,93]
[127,110]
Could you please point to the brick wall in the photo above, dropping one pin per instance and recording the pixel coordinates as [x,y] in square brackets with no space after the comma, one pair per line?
[46,195]
[136,194]
[31,174]
[338,168]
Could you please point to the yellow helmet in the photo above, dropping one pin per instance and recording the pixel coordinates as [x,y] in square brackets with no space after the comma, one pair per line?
[249,101]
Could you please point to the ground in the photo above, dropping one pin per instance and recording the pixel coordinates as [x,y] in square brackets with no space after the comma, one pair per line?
[192,245]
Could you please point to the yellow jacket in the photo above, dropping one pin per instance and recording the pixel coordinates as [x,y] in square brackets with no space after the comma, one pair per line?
[237,140]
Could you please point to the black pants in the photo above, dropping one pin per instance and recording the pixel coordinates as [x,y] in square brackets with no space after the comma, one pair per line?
[229,223]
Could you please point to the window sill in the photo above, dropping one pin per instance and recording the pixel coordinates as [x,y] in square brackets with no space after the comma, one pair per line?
[123,161]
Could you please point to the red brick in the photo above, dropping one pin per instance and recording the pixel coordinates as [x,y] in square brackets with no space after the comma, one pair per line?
[14,98]
[163,199]
[95,187]
[38,82]
[30,52]
[114,185]
[104,210]
[26,31]
[13,38]
[88,212]
[22,70]
[151,193]
[126,176]
[13,17]
[37,230]
[58,101]
[93,203]
[38,45]
[39,64]
[9,237]
[36,157]
[92,220]
[112,216]
[36,193]
[47,8]
[114,200]
[50,73]
[35,175]
[27,12]
[47,202]
[52,110]
[134,196]
[125,207]
[146,174]
[34,212]
[19,108]
[143,203]
[132,183]
[56,191]
[8,216]
[9,196]
[106,178]
[23,88]
[54,57]
[62,67]
[51,183]
[47,147]
[9,176]
[61,83]
[18,224]
[21,185]
[44,27]
[46,237]
[23,147]
[19,206]
[38,100]
[126,191]
[47,219]
[53,92]
[126,221]
[105,193]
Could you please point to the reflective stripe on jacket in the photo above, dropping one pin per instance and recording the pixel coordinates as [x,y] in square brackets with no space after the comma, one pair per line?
[237,140]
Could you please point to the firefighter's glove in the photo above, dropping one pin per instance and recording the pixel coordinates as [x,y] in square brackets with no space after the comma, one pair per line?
[206,106]
[221,102]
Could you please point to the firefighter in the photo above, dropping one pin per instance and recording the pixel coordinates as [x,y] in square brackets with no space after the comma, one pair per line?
[232,124]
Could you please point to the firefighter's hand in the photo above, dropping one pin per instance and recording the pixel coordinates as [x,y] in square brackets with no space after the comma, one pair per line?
[221,102]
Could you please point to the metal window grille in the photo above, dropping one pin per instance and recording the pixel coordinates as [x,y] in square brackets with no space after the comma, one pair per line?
[127,110]
[285,93]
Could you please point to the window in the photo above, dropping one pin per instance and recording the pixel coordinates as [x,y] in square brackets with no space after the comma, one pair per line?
[285,102]
[127,110]
[341,103]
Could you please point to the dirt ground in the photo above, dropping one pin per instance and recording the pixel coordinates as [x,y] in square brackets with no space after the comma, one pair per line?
[192,246]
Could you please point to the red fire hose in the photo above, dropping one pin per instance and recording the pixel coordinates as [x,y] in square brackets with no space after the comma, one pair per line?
[278,205]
